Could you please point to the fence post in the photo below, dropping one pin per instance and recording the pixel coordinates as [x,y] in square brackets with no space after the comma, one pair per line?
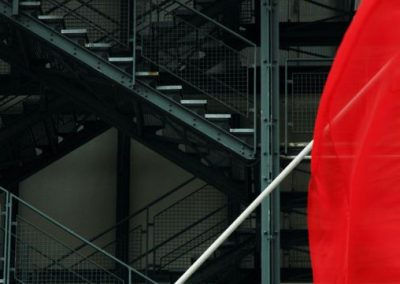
[9,234]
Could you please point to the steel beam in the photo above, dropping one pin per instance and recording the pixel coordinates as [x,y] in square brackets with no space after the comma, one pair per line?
[124,80]
[270,246]
[122,204]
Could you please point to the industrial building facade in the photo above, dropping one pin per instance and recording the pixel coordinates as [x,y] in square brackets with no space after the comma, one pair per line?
[133,132]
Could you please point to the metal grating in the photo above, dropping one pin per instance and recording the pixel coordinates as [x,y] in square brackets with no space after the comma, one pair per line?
[135,245]
[247,12]
[196,54]
[296,258]
[5,68]
[39,260]
[306,92]
[192,216]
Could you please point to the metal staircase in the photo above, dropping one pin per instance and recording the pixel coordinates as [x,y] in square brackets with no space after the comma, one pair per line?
[175,80]
[194,115]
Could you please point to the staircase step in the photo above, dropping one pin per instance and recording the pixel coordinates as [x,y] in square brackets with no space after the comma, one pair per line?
[74,32]
[241,131]
[30,4]
[50,18]
[194,102]
[169,88]
[98,45]
[147,73]
[218,116]
[120,59]
[292,157]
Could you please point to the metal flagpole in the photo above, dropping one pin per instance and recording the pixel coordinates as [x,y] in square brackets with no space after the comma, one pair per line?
[246,213]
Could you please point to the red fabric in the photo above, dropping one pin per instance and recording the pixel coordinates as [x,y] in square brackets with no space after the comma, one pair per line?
[354,194]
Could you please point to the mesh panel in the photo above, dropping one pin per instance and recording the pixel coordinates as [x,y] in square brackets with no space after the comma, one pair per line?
[192,217]
[135,245]
[247,12]
[194,52]
[306,92]
[4,68]
[36,260]
[296,258]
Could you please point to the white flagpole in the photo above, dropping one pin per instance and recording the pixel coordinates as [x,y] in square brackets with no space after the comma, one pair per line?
[246,213]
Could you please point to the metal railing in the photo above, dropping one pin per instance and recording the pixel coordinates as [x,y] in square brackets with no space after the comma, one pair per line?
[33,243]
[210,58]
[160,236]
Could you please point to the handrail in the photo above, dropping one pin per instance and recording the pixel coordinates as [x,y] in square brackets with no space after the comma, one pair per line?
[57,261]
[44,255]
[179,233]
[143,209]
[246,213]
[187,242]
[82,239]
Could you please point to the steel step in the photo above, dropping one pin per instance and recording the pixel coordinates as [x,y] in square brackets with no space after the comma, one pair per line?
[241,131]
[218,116]
[74,32]
[147,73]
[292,157]
[30,4]
[120,60]
[50,18]
[98,45]
[194,102]
[169,88]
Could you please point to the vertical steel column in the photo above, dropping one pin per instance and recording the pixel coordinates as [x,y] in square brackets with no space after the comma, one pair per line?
[133,19]
[270,245]
[15,7]
[123,187]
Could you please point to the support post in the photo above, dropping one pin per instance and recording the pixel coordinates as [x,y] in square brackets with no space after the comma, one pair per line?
[133,20]
[15,7]
[123,187]
[270,245]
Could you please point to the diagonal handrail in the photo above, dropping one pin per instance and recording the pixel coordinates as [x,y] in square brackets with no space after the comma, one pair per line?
[191,240]
[143,209]
[192,225]
[245,214]
[58,261]
[75,235]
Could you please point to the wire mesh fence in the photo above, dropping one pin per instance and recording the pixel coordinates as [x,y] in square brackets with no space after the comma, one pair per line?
[192,216]
[304,83]
[306,93]
[5,68]
[205,56]
[44,253]
[296,258]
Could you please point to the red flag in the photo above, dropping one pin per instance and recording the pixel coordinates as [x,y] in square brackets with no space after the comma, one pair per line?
[354,194]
